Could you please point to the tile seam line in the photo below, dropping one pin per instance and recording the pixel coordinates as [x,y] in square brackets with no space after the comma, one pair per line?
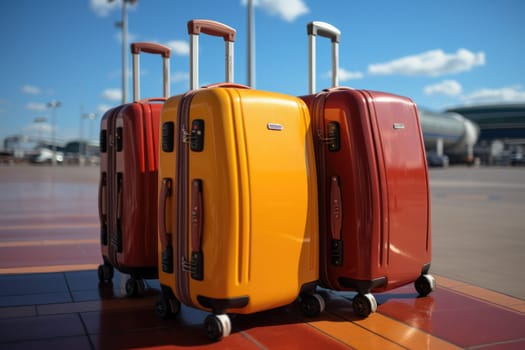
[253,340]
[86,331]
[37,227]
[33,306]
[402,323]
[422,331]
[23,270]
[484,301]
[329,335]
[368,330]
[503,342]
[44,339]
[66,281]
[47,243]
[481,300]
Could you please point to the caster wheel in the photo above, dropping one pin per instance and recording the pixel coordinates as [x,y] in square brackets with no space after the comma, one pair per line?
[364,304]
[312,305]
[167,308]
[135,287]
[425,284]
[105,273]
[217,326]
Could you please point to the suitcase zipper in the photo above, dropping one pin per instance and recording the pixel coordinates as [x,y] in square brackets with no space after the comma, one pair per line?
[183,265]
[336,213]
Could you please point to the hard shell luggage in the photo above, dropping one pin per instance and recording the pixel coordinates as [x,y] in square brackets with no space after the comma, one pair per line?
[374,201]
[238,229]
[129,142]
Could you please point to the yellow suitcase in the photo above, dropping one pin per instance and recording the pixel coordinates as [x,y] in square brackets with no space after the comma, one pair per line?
[238,230]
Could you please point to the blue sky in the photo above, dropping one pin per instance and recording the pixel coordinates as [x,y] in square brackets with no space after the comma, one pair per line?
[440,53]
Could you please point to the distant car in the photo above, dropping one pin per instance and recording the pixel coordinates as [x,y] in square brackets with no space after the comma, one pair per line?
[45,156]
[436,160]
[517,158]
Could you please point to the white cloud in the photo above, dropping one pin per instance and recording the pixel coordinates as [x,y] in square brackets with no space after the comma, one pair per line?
[446,87]
[179,47]
[112,94]
[345,75]
[34,106]
[102,7]
[288,10]
[101,109]
[30,89]
[431,63]
[180,76]
[504,94]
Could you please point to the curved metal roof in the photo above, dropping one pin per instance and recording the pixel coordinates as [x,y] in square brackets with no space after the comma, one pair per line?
[496,120]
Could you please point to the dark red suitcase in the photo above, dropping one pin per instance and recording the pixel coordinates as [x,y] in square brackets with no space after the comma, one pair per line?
[129,143]
[374,200]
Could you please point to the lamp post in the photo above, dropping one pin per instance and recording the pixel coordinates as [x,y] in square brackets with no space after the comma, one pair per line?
[54,105]
[251,45]
[39,120]
[124,25]
[84,142]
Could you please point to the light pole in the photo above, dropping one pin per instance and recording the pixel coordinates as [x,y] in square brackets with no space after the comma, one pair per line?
[84,142]
[38,121]
[124,25]
[251,45]
[54,105]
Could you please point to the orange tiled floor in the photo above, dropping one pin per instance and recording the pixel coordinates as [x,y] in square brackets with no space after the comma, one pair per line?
[66,310]
[50,297]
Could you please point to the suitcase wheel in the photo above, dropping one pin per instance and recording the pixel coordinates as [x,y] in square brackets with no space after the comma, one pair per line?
[135,287]
[167,308]
[105,273]
[425,284]
[217,326]
[312,304]
[364,304]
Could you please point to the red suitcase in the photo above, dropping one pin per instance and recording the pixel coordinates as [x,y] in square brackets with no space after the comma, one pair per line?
[374,200]
[129,142]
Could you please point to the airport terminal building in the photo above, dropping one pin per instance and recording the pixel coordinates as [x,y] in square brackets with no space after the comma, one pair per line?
[493,134]
[501,131]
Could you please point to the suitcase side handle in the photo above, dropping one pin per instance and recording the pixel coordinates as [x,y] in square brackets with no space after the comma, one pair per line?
[197,26]
[328,31]
[102,199]
[336,213]
[153,48]
[166,249]
[226,85]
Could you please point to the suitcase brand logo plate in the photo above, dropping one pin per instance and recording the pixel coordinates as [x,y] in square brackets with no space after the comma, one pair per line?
[399,126]
[274,126]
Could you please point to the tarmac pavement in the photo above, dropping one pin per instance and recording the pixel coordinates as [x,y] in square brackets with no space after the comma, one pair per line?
[478,217]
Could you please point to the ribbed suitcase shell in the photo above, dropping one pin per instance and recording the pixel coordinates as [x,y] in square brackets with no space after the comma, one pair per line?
[380,175]
[128,188]
[129,144]
[259,238]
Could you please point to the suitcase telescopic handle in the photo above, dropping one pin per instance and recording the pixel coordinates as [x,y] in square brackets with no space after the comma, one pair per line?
[328,31]
[153,48]
[197,26]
